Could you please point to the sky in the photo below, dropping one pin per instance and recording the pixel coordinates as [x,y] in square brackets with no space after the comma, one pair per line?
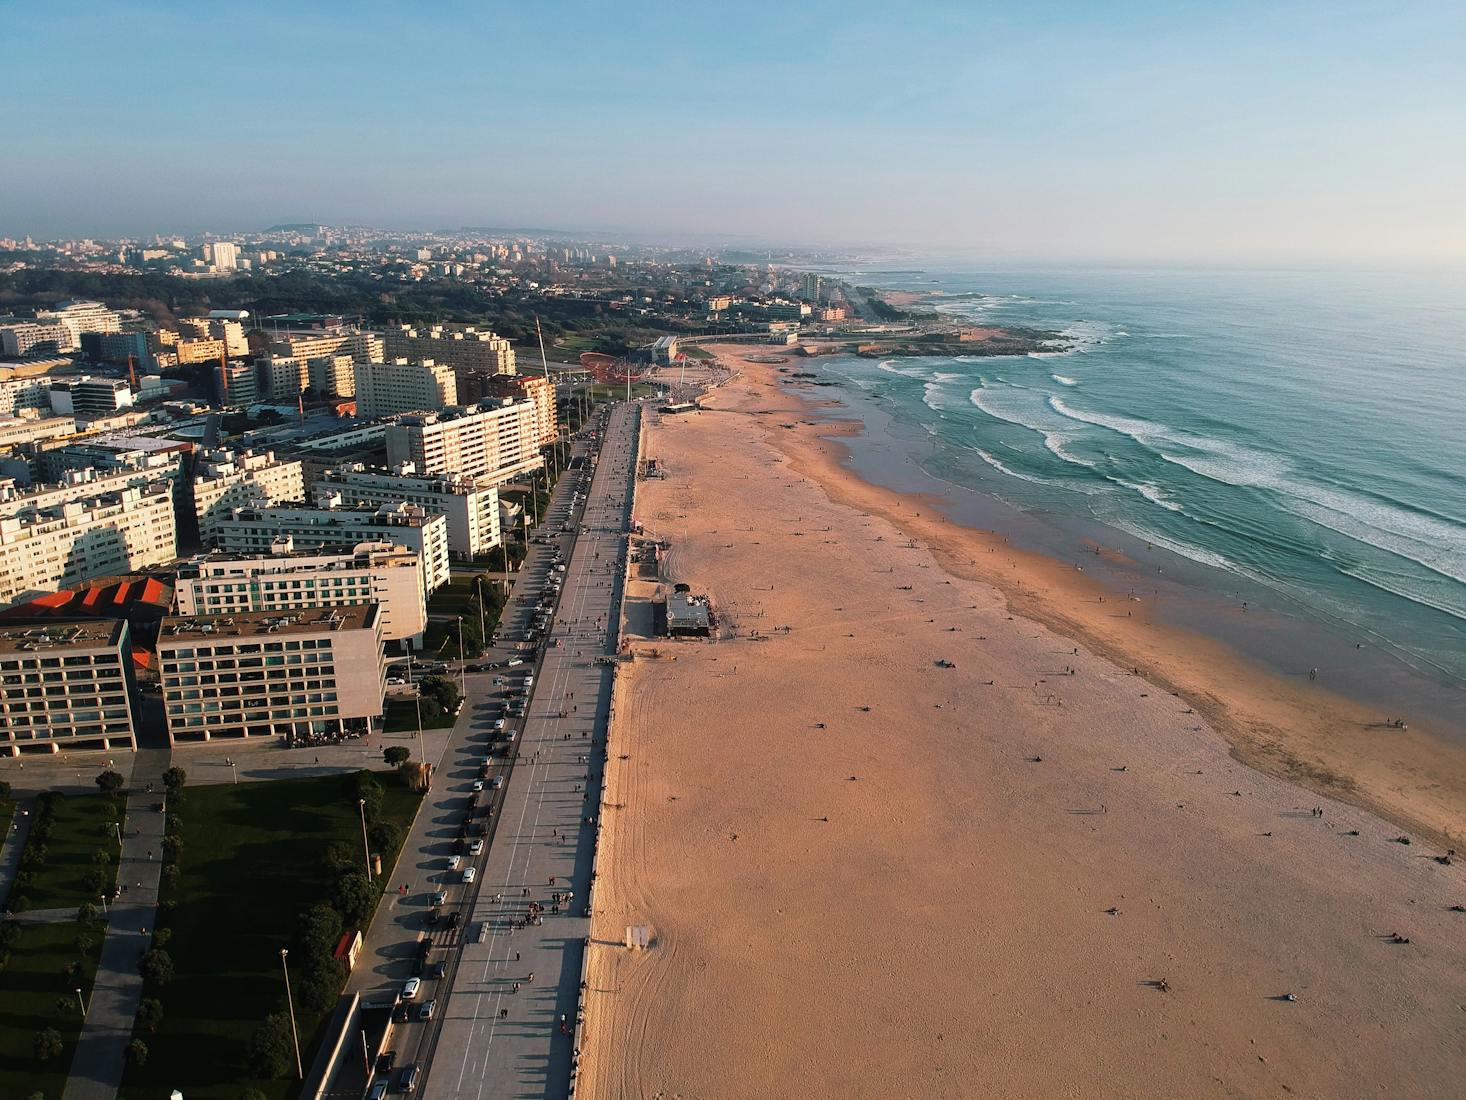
[1093,131]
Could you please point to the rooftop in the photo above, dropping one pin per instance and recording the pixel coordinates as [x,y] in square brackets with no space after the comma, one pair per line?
[30,637]
[248,624]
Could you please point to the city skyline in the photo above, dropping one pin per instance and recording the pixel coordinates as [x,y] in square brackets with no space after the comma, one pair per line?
[1260,133]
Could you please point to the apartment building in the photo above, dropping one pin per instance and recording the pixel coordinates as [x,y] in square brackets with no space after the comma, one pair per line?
[332,375]
[289,580]
[254,530]
[383,389]
[21,337]
[24,393]
[237,383]
[87,397]
[79,316]
[119,348]
[472,511]
[476,386]
[282,378]
[453,346]
[361,347]
[51,540]
[493,441]
[15,431]
[64,686]
[225,480]
[301,675]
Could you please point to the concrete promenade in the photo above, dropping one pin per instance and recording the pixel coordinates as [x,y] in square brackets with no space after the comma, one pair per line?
[496,1039]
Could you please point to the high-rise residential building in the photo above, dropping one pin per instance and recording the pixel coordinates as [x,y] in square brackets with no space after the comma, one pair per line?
[47,543]
[362,347]
[383,389]
[26,337]
[86,397]
[255,530]
[299,675]
[283,378]
[24,393]
[221,255]
[493,441]
[236,382]
[225,480]
[332,376]
[118,347]
[64,686]
[79,316]
[453,346]
[472,510]
[288,579]
[475,387]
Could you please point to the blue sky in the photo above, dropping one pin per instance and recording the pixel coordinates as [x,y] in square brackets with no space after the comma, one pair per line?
[1176,131]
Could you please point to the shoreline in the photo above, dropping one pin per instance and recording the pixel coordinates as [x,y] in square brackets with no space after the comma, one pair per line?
[866,873]
[1312,737]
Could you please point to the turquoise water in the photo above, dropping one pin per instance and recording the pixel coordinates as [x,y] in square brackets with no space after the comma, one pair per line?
[1303,430]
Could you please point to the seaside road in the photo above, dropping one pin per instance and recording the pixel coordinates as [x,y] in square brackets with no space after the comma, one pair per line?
[496,1040]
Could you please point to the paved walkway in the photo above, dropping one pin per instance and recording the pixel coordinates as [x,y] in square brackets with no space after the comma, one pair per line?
[12,846]
[96,1068]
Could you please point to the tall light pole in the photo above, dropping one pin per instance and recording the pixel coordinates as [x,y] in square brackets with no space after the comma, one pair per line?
[290,1001]
[104,903]
[82,1003]
[462,662]
[366,851]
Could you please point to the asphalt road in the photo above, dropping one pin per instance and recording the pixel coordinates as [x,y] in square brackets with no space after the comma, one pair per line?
[534,827]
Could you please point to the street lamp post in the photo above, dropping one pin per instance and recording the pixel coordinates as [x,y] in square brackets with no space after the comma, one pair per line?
[290,1001]
[366,851]
[103,897]
[81,1002]
[462,662]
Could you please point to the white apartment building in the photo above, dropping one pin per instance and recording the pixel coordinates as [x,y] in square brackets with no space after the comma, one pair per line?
[472,510]
[78,317]
[87,396]
[24,393]
[494,442]
[333,375]
[313,527]
[64,686]
[46,545]
[298,674]
[224,255]
[34,429]
[282,378]
[453,346]
[21,337]
[289,580]
[361,347]
[383,389]
[225,480]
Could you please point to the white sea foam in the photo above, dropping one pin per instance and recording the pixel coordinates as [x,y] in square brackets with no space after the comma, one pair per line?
[1054,444]
[998,465]
[1064,380]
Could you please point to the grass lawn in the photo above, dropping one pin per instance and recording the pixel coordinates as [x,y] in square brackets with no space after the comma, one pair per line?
[695,352]
[401,717]
[251,864]
[31,984]
[80,825]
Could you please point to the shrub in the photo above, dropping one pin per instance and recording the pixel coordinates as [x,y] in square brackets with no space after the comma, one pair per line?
[270,1050]
[47,1044]
[396,754]
[149,1014]
[110,782]
[156,968]
[137,1053]
[174,779]
[384,836]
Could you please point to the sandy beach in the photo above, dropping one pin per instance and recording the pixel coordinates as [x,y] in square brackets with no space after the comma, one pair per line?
[1046,871]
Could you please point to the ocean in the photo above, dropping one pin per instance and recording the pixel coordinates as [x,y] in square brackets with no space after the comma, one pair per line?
[1294,439]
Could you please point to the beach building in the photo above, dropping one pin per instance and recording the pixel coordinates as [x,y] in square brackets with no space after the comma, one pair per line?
[471,509]
[225,480]
[329,525]
[298,675]
[66,686]
[688,615]
[55,537]
[492,441]
[383,389]
[287,579]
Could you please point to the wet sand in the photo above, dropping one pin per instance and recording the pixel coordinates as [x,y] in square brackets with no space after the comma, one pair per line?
[912,899]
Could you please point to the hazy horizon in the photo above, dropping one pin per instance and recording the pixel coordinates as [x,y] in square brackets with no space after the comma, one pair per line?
[1260,134]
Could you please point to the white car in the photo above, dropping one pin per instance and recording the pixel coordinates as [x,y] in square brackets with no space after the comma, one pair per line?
[500,723]
[409,991]
[395,681]
[477,847]
[478,785]
[470,874]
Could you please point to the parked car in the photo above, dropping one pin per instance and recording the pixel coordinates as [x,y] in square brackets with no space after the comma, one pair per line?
[439,898]
[498,781]
[476,848]
[453,860]
[426,1011]
[478,785]
[470,873]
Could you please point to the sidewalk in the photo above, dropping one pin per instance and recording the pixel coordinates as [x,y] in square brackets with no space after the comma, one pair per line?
[97,1066]
[12,846]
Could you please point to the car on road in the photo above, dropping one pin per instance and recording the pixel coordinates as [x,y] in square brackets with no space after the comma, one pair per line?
[513,662]
[453,861]
[452,921]
[509,735]
[470,873]
[386,1060]
[476,848]
[378,1091]
[498,782]
[427,1009]
[409,990]
[500,723]
[484,667]
[408,1081]
[438,971]
[395,681]
[439,898]
[478,785]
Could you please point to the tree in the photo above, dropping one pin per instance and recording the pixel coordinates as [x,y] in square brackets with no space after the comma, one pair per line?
[354,896]
[270,1049]
[172,846]
[150,1014]
[101,857]
[85,941]
[156,968]
[441,690]
[384,836]
[86,911]
[318,931]
[174,779]
[110,782]
[47,1044]
[396,754]
[137,1053]
[319,986]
